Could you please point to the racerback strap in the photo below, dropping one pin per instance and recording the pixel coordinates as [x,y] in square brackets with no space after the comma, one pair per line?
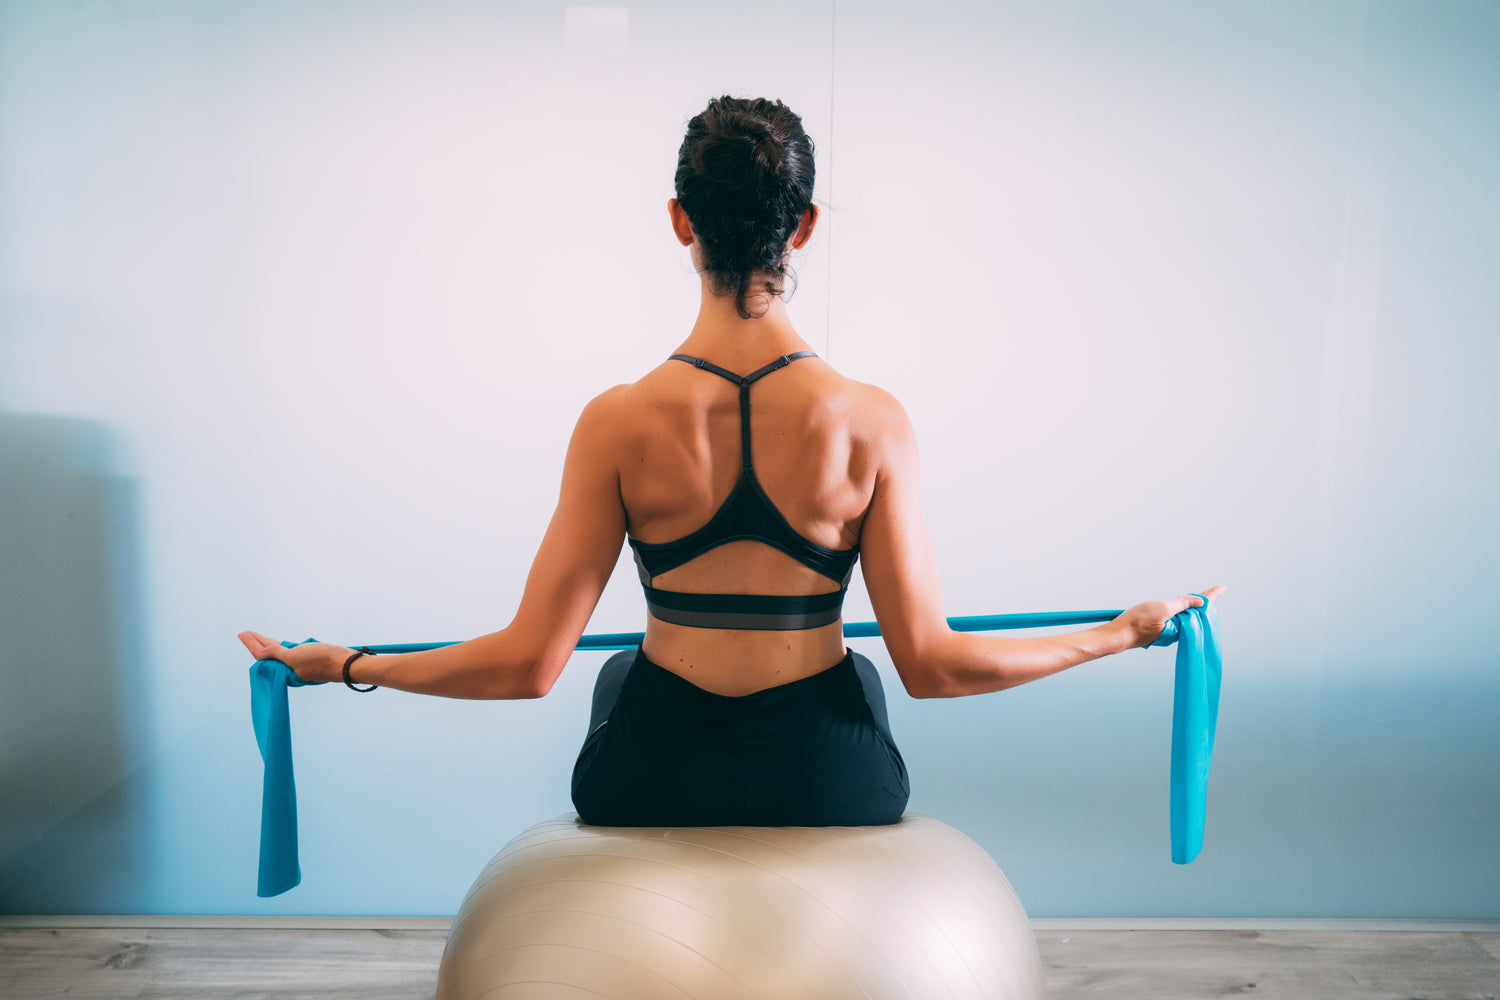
[743,381]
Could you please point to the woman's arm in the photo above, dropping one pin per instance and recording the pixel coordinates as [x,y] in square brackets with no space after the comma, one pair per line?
[901,574]
[522,660]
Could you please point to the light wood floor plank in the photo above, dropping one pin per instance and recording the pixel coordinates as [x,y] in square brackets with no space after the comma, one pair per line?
[241,964]
[1489,942]
[1270,965]
[125,964]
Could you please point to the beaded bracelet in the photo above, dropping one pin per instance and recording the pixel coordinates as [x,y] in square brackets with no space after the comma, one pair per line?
[361,651]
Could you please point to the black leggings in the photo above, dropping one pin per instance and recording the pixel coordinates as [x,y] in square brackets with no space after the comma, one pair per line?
[662,751]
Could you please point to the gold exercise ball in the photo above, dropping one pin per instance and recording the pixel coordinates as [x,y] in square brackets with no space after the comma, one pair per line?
[915,910]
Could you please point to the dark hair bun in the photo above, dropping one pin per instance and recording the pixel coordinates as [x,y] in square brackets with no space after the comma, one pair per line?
[745,178]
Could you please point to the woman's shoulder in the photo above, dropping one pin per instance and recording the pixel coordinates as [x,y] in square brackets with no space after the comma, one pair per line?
[650,391]
[881,402]
[880,412]
[868,411]
[871,416]
[625,410]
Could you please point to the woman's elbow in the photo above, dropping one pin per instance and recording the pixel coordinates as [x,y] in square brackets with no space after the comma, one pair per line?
[917,689]
[927,686]
[515,682]
[530,690]
[920,680]
[921,665]
[537,678]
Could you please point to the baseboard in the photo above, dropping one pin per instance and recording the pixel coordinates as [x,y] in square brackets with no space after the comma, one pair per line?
[1262,924]
[190,921]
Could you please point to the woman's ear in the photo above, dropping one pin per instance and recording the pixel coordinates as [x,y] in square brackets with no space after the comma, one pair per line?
[805,228]
[681,226]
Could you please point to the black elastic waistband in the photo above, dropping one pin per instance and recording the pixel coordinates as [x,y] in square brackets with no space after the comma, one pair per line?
[644,674]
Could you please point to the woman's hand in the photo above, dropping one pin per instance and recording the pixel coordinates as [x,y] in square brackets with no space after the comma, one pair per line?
[1143,624]
[311,661]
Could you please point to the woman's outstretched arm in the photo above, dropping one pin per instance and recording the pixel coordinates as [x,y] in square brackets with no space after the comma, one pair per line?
[522,660]
[901,575]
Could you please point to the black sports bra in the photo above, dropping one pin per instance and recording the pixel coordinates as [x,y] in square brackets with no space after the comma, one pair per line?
[747,514]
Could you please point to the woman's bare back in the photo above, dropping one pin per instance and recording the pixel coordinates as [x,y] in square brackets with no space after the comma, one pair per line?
[679,458]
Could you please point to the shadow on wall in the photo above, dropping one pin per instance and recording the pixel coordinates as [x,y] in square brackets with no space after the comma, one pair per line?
[71,651]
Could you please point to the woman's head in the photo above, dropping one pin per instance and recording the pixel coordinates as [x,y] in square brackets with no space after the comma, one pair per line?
[745,179]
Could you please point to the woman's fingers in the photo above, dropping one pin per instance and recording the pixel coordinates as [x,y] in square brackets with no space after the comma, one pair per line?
[1147,620]
[1186,601]
[262,647]
[1178,605]
[311,661]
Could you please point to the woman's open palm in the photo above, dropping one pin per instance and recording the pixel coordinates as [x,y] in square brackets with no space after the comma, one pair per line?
[314,662]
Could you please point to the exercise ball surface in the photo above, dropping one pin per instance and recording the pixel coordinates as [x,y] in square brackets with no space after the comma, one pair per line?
[912,910]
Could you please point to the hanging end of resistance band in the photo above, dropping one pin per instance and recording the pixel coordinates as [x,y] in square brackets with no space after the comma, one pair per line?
[1195,715]
[1186,854]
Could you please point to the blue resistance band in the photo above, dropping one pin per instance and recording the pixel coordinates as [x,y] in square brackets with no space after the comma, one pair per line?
[1195,710]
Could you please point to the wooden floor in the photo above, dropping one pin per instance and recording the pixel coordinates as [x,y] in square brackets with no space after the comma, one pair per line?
[121,964]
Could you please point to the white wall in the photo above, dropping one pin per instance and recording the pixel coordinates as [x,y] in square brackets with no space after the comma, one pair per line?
[298,304]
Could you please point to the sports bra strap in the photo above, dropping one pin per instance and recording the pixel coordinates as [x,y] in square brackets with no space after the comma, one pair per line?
[703,363]
[744,383]
[743,380]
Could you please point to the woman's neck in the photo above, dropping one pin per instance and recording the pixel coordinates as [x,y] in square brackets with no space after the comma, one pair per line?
[723,336]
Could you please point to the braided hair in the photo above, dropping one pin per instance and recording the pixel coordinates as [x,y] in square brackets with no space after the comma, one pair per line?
[745,178]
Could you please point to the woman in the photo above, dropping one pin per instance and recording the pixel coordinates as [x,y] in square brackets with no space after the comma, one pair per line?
[742,705]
